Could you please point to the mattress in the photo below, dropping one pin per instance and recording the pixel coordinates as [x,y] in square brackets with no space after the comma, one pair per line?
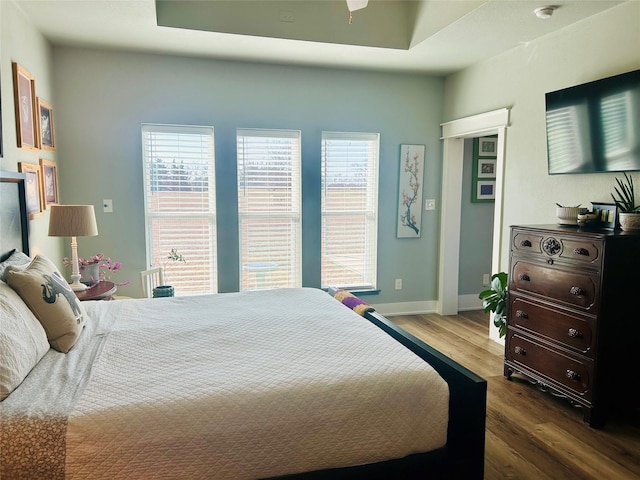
[230,386]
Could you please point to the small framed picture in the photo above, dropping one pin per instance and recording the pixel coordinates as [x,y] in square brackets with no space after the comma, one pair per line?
[49,177]
[486,190]
[486,168]
[487,147]
[45,125]
[24,87]
[32,187]
[607,214]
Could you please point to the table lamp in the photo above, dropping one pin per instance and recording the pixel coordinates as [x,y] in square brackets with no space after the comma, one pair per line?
[73,221]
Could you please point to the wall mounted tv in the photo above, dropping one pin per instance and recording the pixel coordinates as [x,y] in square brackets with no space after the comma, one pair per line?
[595,127]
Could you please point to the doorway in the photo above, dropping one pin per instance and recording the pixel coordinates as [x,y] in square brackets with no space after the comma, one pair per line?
[453,134]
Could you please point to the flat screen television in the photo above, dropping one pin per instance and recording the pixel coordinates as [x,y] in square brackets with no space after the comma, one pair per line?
[595,127]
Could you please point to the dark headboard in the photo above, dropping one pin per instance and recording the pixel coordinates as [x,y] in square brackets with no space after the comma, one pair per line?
[14,221]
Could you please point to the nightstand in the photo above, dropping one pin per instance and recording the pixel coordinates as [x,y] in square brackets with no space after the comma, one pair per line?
[100,291]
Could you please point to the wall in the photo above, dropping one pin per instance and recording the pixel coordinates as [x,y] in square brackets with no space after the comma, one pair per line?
[103,97]
[601,46]
[20,42]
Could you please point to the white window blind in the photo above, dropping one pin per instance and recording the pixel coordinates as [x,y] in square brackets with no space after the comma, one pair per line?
[269,208]
[349,209]
[179,186]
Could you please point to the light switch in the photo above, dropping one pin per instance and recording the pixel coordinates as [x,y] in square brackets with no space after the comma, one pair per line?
[107,205]
[430,204]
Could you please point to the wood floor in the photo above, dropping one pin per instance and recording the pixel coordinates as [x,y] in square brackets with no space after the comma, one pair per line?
[530,434]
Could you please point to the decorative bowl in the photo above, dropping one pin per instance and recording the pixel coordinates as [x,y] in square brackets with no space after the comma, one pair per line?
[569,215]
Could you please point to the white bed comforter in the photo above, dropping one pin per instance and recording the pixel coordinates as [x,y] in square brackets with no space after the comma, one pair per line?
[247,385]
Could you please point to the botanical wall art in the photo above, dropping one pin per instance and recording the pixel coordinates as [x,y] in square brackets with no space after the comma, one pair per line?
[32,187]
[45,125]
[49,177]
[24,87]
[410,191]
[483,184]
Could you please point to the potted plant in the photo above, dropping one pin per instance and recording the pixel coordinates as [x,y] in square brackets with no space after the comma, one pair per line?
[168,290]
[494,299]
[629,211]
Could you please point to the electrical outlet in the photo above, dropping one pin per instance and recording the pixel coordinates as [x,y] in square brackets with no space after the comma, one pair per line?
[486,279]
[398,284]
[107,205]
[430,204]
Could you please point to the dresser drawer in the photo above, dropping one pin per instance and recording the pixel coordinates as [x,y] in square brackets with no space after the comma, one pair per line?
[574,289]
[569,248]
[570,331]
[571,373]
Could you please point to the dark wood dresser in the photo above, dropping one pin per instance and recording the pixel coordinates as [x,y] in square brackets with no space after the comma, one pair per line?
[574,314]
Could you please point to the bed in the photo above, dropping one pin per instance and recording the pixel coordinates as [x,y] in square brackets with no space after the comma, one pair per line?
[287,383]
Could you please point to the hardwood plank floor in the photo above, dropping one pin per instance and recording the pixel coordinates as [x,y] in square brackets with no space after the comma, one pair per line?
[529,434]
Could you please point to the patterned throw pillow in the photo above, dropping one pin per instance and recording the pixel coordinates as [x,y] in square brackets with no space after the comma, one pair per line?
[23,341]
[51,300]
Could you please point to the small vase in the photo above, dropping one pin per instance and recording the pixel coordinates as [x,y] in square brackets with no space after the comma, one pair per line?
[163,291]
[90,274]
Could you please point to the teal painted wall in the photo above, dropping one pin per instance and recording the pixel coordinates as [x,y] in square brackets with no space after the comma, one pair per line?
[103,98]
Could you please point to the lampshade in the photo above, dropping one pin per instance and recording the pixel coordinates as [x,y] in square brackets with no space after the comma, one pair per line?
[354,5]
[72,221]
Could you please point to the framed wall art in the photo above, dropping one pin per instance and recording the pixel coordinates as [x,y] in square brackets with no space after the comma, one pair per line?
[24,87]
[49,177]
[46,134]
[1,146]
[487,147]
[410,191]
[32,188]
[483,181]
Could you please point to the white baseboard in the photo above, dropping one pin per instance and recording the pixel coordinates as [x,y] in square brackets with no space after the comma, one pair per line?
[465,302]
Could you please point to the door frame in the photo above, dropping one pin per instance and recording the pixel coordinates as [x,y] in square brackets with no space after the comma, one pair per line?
[453,135]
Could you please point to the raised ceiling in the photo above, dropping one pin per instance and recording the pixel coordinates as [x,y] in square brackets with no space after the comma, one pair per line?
[429,36]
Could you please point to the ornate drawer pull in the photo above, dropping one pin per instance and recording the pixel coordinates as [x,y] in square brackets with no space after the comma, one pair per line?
[574,333]
[525,243]
[521,314]
[571,375]
[524,277]
[520,351]
[581,251]
[576,291]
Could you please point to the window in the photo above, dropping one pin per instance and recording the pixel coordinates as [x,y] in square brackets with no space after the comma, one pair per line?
[179,186]
[269,206]
[349,209]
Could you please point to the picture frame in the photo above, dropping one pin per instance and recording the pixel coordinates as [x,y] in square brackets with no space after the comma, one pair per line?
[410,180]
[1,144]
[487,147]
[486,168]
[32,188]
[607,215]
[24,88]
[46,131]
[483,178]
[49,177]
[486,190]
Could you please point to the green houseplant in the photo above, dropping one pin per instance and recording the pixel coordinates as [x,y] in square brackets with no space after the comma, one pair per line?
[494,299]
[629,211]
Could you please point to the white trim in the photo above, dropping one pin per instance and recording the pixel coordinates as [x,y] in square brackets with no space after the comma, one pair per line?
[453,134]
[405,308]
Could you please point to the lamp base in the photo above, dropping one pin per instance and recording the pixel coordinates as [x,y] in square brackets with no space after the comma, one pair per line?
[76,286]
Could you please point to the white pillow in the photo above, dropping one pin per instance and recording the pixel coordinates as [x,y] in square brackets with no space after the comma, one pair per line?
[16,259]
[51,300]
[23,341]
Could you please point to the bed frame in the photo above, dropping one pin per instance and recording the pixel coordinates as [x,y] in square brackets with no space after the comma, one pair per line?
[461,458]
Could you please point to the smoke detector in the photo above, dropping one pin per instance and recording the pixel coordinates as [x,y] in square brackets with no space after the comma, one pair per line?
[545,12]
